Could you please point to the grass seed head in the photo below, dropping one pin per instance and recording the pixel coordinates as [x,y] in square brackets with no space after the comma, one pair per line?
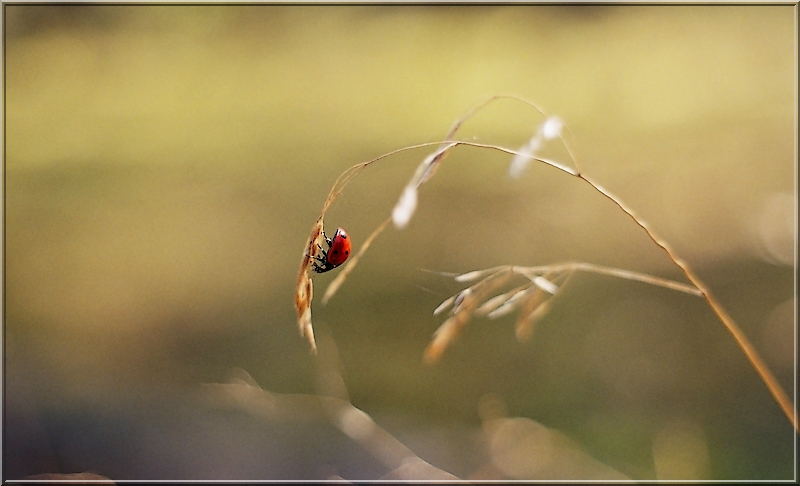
[304,292]
[533,310]
[444,305]
[402,212]
[496,301]
[552,128]
[545,285]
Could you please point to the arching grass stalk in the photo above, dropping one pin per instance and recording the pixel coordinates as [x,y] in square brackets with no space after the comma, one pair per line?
[477,298]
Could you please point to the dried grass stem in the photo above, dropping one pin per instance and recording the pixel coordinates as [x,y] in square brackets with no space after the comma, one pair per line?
[480,291]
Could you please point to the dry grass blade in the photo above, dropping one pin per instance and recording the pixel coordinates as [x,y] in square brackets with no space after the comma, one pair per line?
[545,284]
[246,395]
[511,304]
[698,288]
[741,339]
[337,282]
[407,205]
[444,305]
[533,299]
[444,335]
[475,275]
[302,295]
[470,298]
[550,129]
[536,307]
[533,272]
[304,292]
[490,305]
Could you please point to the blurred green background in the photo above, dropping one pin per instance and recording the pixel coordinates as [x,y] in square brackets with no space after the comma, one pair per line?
[164,165]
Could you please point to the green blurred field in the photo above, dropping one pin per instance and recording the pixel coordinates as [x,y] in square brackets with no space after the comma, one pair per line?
[164,165]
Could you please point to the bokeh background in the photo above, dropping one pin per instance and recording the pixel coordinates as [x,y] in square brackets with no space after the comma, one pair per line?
[164,165]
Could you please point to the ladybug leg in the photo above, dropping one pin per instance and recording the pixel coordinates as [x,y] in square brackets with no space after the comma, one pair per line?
[320,263]
[323,254]
[320,267]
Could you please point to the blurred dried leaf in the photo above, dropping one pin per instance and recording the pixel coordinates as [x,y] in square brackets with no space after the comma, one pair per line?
[524,449]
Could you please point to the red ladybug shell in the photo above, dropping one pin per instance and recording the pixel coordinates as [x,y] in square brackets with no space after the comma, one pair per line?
[340,248]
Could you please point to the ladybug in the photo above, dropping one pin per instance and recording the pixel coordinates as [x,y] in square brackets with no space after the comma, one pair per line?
[337,253]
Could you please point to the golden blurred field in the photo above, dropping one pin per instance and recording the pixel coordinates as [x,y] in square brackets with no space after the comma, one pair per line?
[164,165]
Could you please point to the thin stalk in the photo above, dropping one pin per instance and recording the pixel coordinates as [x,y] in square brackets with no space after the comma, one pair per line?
[752,355]
[747,348]
[750,352]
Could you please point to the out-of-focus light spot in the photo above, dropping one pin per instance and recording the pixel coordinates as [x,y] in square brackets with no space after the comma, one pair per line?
[523,449]
[491,407]
[778,336]
[354,423]
[415,469]
[774,228]
[680,452]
